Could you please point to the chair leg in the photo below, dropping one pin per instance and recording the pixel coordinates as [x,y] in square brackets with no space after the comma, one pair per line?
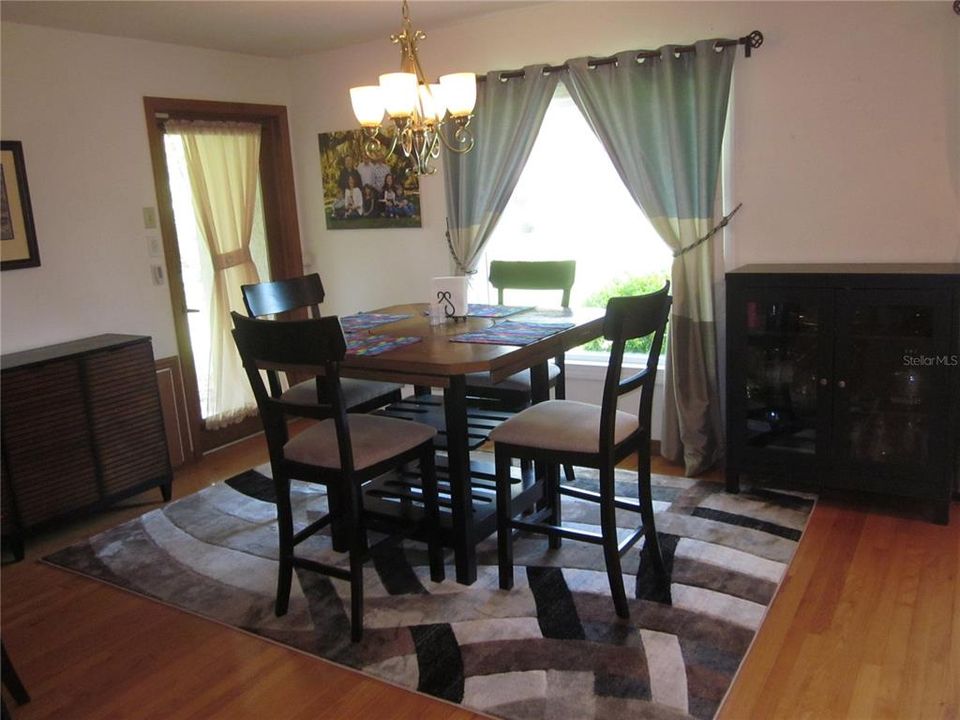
[552,493]
[611,553]
[645,497]
[428,475]
[11,679]
[285,531]
[526,468]
[358,544]
[339,532]
[504,515]
[560,393]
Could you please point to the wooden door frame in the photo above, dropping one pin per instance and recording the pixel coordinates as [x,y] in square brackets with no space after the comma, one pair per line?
[280,220]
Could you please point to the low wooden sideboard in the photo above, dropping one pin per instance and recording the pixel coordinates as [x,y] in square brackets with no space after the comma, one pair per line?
[81,429]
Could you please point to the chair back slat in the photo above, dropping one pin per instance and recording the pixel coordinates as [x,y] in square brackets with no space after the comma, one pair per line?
[628,318]
[281,296]
[528,275]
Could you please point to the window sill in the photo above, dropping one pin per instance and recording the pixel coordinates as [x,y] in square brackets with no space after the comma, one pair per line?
[593,366]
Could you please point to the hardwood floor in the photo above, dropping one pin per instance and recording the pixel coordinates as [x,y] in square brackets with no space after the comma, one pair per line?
[866,625]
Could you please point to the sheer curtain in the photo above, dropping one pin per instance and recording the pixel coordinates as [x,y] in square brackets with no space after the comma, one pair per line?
[507,118]
[662,121]
[223,162]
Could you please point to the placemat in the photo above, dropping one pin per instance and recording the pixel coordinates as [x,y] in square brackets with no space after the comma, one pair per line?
[365,321]
[376,344]
[511,332]
[494,311]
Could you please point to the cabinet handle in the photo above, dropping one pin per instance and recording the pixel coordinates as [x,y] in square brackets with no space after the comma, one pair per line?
[824,382]
[841,384]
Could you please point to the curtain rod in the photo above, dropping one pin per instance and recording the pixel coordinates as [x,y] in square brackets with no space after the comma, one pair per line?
[749,42]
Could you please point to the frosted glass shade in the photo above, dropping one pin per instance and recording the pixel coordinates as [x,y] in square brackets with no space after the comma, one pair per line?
[459,93]
[399,93]
[432,108]
[367,105]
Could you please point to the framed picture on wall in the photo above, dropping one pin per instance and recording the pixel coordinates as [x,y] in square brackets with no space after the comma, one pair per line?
[360,193]
[18,240]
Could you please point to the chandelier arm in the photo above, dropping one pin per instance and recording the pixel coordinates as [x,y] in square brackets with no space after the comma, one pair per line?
[462,136]
[436,142]
[375,142]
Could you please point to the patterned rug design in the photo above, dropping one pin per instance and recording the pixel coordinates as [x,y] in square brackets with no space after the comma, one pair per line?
[550,648]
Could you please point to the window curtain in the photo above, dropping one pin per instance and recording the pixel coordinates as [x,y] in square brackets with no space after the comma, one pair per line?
[478,184]
[662,121]
[223,162]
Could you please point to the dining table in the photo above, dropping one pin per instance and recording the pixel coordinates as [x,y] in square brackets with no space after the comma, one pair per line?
[426,353]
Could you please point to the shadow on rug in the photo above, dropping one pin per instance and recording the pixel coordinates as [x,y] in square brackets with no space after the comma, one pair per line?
[550,648]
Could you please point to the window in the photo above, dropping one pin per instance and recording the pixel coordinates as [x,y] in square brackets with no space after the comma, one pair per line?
[570,204]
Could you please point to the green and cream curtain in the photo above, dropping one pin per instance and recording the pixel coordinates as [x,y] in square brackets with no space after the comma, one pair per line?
[507,118]
[223,163]
[662,120]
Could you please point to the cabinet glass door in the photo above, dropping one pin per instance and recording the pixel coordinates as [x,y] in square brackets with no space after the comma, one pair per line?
[782,367]
[889,381]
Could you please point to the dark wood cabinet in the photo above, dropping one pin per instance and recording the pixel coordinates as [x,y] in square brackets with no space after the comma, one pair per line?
[846,377]
[82,428]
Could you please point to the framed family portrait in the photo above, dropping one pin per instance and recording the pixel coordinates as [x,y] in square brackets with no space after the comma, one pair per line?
[18,240]
[360,192]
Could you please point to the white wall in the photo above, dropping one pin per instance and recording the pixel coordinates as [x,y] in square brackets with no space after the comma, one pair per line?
[75,100]
[845,128]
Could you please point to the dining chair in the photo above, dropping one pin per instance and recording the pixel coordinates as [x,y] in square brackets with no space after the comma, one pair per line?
[514,392]
[11,681]
[597,436]
[306,293]
[341,452]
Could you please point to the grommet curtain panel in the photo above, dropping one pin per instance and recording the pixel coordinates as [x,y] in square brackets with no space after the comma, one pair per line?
[661,121]
[478,184]
[223,163]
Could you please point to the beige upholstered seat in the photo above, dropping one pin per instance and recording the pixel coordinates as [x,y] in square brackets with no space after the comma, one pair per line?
[563,425]
[355,392]
[373,438]
[519,382]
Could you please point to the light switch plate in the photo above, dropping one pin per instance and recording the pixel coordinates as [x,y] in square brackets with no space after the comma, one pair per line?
[156,273]
[149,218]
[154,246]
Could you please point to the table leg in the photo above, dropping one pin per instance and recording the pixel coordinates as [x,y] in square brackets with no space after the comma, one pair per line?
[539,383]
[458,468]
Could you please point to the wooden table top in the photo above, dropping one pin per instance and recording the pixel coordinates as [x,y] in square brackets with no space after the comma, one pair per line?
[435,359]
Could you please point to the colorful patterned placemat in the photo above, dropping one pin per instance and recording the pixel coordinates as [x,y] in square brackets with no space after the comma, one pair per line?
[365,321]
[494,311]
[358,344]
[510,332]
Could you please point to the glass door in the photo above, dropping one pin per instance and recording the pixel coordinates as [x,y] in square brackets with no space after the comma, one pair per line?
[196,266]
[784,369]
[889,351]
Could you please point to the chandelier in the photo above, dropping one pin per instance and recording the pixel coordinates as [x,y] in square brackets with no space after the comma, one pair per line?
[421,111]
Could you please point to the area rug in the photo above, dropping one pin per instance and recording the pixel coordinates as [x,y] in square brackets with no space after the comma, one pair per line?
[550,648]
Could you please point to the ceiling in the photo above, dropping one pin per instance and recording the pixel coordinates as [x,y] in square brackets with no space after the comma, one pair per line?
[271,28]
